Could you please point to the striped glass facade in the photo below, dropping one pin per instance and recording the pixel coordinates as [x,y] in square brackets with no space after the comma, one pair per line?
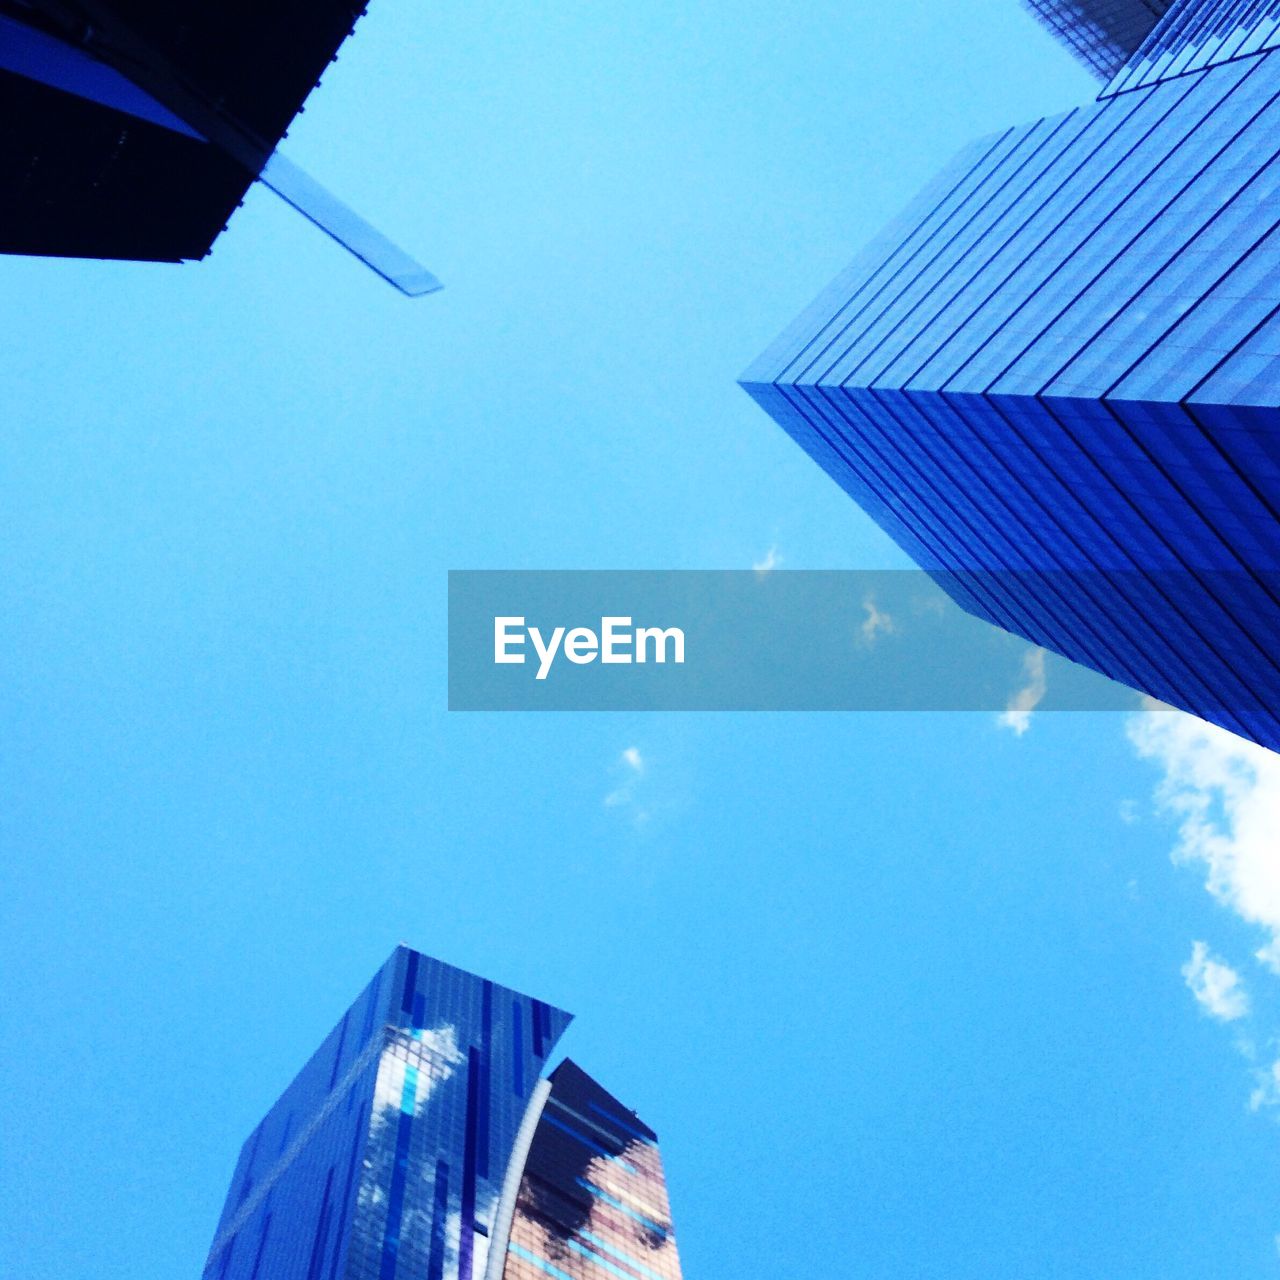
[1197,35]
[385,1158]
[593,1199]
[1055,379]
[1102,34]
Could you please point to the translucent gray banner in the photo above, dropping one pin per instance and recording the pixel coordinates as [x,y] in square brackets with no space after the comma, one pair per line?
[704,640]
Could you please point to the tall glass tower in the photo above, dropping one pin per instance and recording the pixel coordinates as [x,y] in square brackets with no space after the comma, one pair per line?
[1055,380]
[403,1147]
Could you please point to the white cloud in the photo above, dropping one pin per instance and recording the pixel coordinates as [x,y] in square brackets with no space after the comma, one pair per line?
[1266,1093]
[875,623]
[631,765]
[1246,1047]
[439,1045]
[1224,793]
[1017,715]
[771,561]
[934,605]
[1215,985]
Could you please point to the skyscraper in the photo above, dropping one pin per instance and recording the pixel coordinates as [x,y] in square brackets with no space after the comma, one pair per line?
[592,1200]
[1055,379]
[134,128]
[419,1143]
[1102,34]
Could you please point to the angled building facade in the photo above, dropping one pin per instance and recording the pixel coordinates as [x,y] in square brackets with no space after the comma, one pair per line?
[1101,34]
[399,1152]
[1055,380]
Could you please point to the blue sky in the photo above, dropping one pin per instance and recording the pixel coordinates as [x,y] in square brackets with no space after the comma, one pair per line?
[904,995]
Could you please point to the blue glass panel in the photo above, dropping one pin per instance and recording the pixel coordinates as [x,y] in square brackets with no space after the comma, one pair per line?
[348,1176]
[1056,380]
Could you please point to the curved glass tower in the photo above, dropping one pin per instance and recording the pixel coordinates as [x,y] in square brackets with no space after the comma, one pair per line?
[593,1199]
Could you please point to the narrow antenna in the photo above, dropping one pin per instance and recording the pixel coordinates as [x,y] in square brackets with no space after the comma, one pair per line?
[300,190]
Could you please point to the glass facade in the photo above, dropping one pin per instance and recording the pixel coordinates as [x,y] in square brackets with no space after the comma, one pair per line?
[593,1200]
[1197,35]
[385,1158]
[1102,34]
[1054,380]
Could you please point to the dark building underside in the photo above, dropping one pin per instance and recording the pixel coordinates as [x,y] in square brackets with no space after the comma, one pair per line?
[79,179]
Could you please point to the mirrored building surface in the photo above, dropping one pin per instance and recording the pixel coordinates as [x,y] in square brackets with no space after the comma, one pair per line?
[1055,380]
[593,1199]
[421,1142]
[384,1159]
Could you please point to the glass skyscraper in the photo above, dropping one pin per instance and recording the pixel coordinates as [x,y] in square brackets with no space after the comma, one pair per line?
[1054,379]
[1102,34]
[421,1143]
